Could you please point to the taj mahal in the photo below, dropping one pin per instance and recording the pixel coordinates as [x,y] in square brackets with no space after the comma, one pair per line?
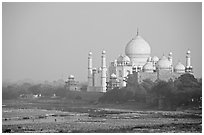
[137,61]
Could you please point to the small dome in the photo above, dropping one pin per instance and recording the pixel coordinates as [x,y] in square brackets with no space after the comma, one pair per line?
[124,58]
[113,75]
[71,77]
[155,59]
[90,53]
[163,63]
[179,67]
[148,66]
[120,58]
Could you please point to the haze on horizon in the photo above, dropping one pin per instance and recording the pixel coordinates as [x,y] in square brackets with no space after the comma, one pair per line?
[49,41]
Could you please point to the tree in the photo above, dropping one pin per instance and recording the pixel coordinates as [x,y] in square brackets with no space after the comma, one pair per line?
[10,92]
[187,80]
[60,91]
[35,89]
[189,90]
[117,95]
[165,93]
[147,84]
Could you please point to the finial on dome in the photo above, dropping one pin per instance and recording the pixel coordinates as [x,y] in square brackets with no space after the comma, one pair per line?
[188,51]
[90,53]
[137,31]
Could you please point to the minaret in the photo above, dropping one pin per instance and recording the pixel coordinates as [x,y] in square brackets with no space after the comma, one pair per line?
[90,73]
[188,61]
[103,71]
[170,58]
[137,32]
[123,77]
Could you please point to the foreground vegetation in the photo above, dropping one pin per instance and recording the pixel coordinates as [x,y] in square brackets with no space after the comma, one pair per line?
[173,106]
[184,92]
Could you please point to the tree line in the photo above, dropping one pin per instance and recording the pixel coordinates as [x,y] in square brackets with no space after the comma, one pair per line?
[14,91]
[185,91]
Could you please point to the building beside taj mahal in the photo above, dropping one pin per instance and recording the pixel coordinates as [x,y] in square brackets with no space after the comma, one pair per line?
[138,61]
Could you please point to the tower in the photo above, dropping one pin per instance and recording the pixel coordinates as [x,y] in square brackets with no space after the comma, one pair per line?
[170,58]
[103,71]
[188,61]
[90,76]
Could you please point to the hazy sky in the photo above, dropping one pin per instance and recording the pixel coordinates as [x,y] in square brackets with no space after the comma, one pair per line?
[49,41]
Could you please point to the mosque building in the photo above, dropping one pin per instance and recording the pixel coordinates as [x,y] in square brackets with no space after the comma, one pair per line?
[138,61]
[71,84]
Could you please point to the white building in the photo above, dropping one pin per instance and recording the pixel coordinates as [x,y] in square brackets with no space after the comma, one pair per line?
[137,60]
[71,84]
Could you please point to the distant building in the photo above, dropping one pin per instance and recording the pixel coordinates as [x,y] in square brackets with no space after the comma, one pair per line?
[138,61]
[113,82]
[71,84]
[29,96]
[97,78]
[54,96]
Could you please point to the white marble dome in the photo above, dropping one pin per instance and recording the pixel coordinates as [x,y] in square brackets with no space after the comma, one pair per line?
[123,58]
[113,75]
[126,59]
[138,50]
[163,63]
[137,46]
[120,58]
[179,68]
[148,67]
[155,59]
[71,77]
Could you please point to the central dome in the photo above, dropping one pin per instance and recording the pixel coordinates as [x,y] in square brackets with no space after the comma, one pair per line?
[138,50]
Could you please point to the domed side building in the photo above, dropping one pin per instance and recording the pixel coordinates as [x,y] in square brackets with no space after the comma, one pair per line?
[71,84]
[137,61]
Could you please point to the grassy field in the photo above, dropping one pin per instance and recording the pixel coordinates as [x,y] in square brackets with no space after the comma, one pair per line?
[86,115]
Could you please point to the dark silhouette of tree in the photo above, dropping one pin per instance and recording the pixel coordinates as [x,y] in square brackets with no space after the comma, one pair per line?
[60,91]
[10,92]
[189,90]
[117,95]
[84,87]
[35,89]
[147,84]
[187,80]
